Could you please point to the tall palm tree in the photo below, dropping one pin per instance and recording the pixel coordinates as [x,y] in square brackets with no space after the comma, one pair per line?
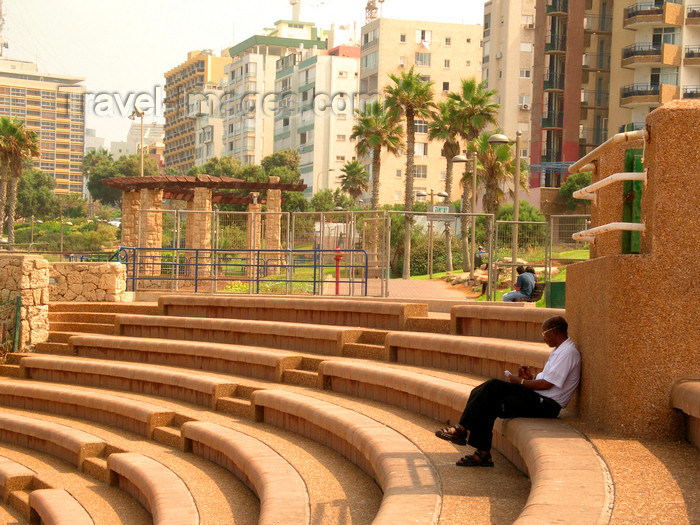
[376,130]
[355,180]
[409,97]
[446,127]
[475,110]
[17,144]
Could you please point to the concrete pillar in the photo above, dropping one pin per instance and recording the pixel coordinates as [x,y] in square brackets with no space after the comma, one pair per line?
[151,226]
[253,231]
[273,223]
[131,204]
[634,317]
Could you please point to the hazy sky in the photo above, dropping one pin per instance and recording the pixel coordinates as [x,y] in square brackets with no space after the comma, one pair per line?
[123,47]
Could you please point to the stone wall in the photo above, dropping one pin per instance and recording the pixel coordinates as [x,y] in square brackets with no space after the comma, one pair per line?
[634,317]
[27,276]
[99,281]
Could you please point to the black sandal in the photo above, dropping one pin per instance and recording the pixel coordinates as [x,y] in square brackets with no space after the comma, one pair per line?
[453,434]
[479,459]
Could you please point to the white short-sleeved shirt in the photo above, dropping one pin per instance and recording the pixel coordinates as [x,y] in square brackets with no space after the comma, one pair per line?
[563,370]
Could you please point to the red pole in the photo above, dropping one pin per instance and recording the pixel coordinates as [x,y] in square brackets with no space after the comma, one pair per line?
[338,258]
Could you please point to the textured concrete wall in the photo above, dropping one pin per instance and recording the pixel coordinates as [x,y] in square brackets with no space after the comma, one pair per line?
[634,317]
[27,276]
[94,282]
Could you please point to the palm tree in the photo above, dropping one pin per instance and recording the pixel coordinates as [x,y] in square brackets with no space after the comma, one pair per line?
[409,97]
[17,143]
[376,130]
[355,180]
[474,111]
[446,127]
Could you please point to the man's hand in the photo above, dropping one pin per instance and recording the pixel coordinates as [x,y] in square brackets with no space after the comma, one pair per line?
[524,372]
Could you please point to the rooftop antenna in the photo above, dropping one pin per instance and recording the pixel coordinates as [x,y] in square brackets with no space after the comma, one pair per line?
[372,11]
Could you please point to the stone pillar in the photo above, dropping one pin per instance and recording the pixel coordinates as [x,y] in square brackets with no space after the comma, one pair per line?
[199,226]
[634,317]
[131,204]
[151,231]
[273,223]
[253,232]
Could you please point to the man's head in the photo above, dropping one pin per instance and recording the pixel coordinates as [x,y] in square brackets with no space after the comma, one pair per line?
[555,331]
[529,269]
[520,269]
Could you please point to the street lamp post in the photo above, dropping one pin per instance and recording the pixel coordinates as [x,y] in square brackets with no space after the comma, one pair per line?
[68,223]
[462,158]
[318,182]
[430,226]
[138,113]
[502,139]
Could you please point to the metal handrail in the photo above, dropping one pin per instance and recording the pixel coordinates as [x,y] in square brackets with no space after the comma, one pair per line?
[612,141]
[589,192]
[590,235]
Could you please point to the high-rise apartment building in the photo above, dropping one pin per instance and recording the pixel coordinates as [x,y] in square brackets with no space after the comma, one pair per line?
[571,83]
[52,106]
[655,59]
[250,101]
[319,91]
[443,53]
[200,68]
[208,123]
[509,35]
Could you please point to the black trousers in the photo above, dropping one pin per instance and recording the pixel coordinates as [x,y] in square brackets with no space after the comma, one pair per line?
[496,398]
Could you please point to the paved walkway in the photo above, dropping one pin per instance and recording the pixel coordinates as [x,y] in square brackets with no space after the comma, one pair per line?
[425,289]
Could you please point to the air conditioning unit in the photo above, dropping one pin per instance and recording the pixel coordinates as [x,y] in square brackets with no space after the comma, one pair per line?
[530,26]
[525,107]
[499,55]
[402,65]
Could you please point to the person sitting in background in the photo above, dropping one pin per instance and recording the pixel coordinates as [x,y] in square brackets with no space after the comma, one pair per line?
[524,285]
[530,269]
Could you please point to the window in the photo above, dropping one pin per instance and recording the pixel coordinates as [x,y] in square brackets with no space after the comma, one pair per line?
[525,73]
[528,20]
[448,41]
[341,116]
[420,172]
[402,38]
[424,78]
[398,174]
[342,74]
[447,64]
[302,138]
[340,138]
[523,153]
[423,35]
[469,62]
[445,86]
[422,59]
[397,196]
[402,61]
[340,158]
[443,175]
[523,99]
[420,126]
[420,148]
[469,40]
[526,47]
[500,73]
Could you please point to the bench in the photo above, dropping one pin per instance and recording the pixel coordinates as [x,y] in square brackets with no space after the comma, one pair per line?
[685,396]
[254,362]
[324,311]
[155,486]
[135,416]
[183,385]
[64,442]
[13,476]
[561,463]
[57,507]
[471,355]
[279,487]
[316,339]
[411,488]
[536,294]
[502,322]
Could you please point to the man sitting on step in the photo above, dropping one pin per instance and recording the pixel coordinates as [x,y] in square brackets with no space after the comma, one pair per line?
[518,396]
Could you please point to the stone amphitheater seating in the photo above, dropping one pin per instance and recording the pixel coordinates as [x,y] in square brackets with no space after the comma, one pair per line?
[135,416]
[504,322]
[685,396]
[199,389]
[57,507]
[13,476]
[407,479]
[280,488]
[155,486]
[343,312]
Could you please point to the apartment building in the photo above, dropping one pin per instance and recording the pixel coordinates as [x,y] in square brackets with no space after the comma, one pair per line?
[509,35]
[571,85]
[319,92]
[200,68]
[52,106]
[655,59]
[443,53]
[205,112]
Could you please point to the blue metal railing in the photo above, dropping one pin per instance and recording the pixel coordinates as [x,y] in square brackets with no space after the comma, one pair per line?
[260,270]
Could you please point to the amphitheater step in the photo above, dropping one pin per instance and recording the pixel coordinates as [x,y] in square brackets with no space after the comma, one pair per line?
[364,351]
[168,436]
[82,317]
[61,337]
[311,363]
[97,468]
[373,337]
[106,307]
[19,500]
[53,348]
[234,406]
[300,378]
[9,370]
[86,328]
[427,324]
[15,357]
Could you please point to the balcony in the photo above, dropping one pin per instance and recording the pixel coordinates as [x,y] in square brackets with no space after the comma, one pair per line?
[692,17]
[553,82]
[596,62]
[555,44]
[551,155]
[651,55]
[632,126]
[592,136]
[557,7]
[691,57]
[597,24]
[651,95]
[691,91]
[551,120]
[594,99]
[643,15]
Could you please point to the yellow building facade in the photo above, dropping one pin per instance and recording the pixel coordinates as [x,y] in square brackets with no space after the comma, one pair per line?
[53,107]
